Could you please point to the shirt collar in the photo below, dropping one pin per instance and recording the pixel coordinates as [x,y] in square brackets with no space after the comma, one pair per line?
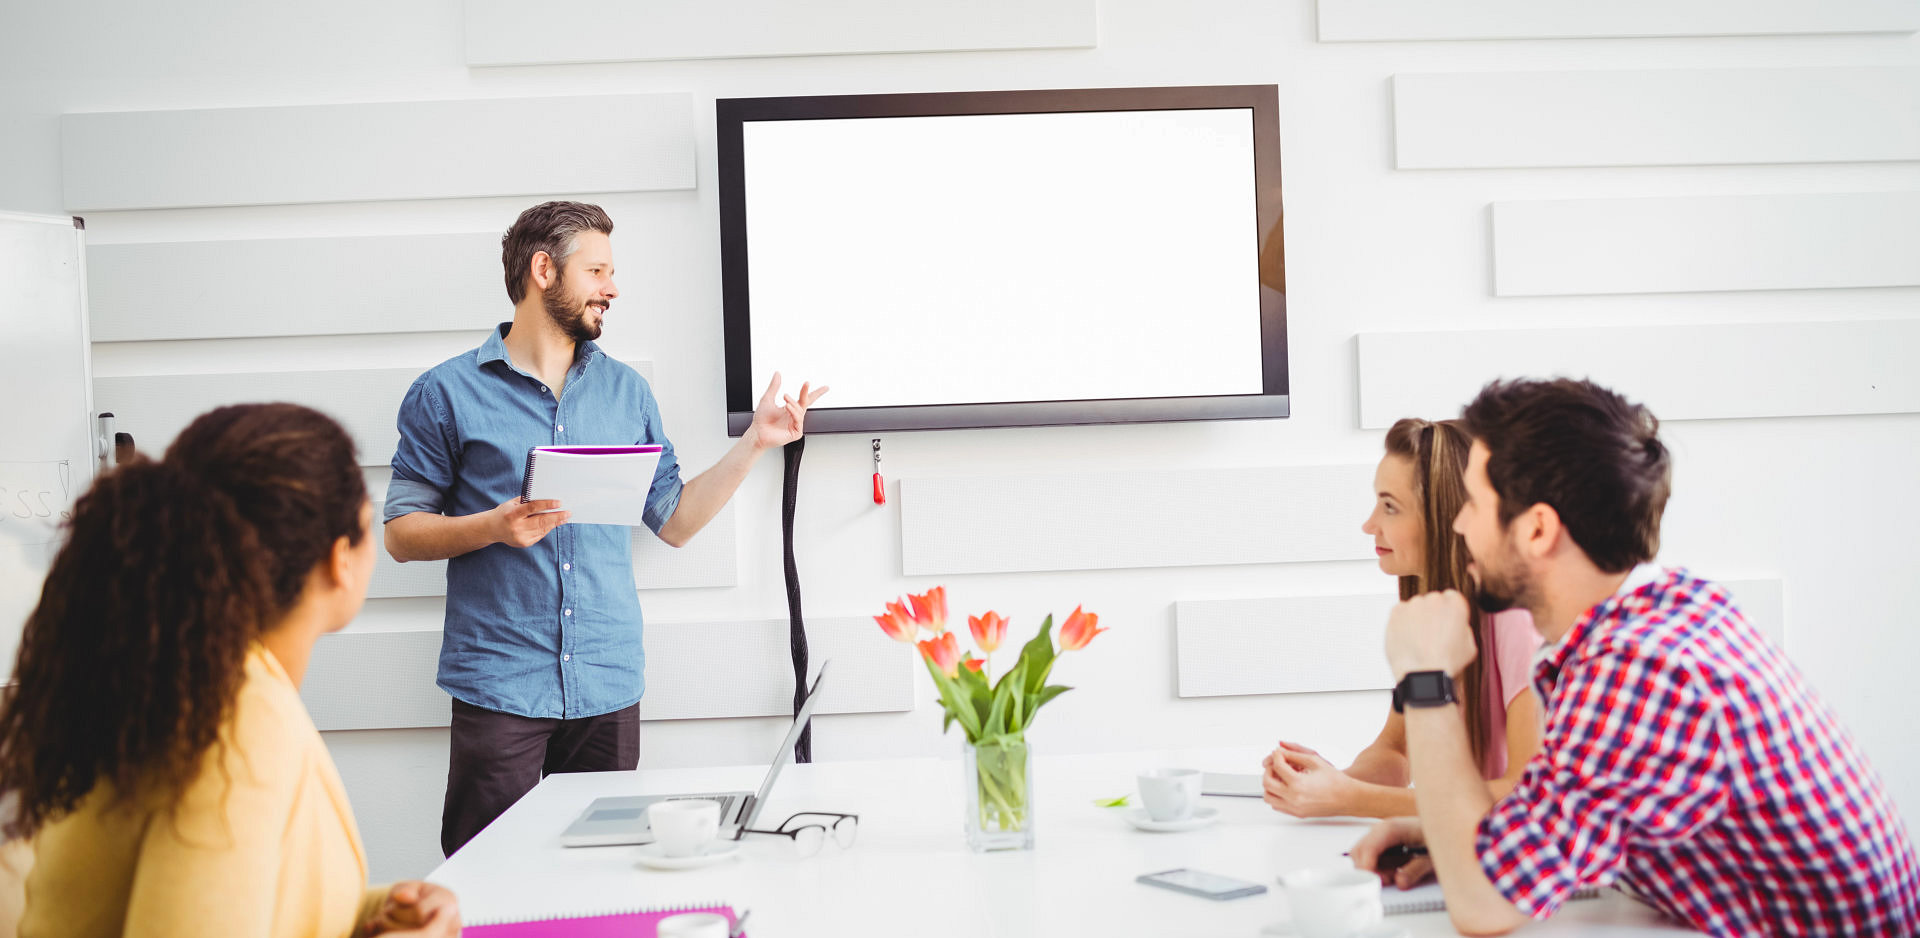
[1551,658]
[494,349]
[262,657]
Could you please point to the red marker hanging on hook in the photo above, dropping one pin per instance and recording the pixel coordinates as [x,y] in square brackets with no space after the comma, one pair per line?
[879,484]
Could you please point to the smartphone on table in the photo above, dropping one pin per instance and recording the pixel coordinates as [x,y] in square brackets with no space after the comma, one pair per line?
[1204,885]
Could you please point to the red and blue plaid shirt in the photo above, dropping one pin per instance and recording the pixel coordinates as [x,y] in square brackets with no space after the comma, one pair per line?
[1688,762]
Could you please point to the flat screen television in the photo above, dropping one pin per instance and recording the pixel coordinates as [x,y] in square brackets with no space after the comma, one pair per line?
[1005,258]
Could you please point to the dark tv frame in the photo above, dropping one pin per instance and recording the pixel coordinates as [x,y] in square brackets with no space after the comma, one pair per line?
[1263,100]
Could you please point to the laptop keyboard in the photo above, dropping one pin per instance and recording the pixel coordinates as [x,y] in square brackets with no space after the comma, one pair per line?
[727,803]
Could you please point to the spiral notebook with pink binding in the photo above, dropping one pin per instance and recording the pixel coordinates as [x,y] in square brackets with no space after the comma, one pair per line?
[629,923]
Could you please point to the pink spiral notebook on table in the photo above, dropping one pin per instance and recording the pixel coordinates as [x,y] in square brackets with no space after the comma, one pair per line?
[629,923]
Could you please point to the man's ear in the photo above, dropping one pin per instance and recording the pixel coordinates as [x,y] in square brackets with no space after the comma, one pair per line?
[1540,533]
[542,270]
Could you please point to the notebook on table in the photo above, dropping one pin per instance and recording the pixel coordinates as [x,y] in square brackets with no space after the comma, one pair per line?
[1231,785]
[619,923]
[1427,897]
[595,484]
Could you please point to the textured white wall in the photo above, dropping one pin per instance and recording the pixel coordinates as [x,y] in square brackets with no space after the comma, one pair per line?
[1819,503]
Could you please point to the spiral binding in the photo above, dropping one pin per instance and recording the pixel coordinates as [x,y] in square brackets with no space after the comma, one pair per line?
[599,913]
[526,482]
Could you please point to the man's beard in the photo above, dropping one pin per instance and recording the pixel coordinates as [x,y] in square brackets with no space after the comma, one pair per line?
[569,313]
[1498,590]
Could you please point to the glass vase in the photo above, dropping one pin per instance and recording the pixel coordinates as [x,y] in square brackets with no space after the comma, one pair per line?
[999,803]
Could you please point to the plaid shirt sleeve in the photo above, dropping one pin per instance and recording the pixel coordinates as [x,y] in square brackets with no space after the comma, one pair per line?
[1632,751]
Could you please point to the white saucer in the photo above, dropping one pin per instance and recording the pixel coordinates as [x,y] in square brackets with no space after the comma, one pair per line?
[719,851]
[1202,816]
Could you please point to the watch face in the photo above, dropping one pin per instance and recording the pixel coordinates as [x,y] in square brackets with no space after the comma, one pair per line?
[1425,685]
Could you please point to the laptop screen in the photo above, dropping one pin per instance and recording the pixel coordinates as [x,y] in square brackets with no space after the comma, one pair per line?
[785,755]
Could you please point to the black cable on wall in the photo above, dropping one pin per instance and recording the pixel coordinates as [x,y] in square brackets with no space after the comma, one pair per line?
[796,623]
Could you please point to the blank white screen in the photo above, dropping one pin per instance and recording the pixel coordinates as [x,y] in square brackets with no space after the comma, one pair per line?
[996,258]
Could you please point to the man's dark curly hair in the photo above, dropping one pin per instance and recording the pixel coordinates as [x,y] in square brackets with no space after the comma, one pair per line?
[1588,452]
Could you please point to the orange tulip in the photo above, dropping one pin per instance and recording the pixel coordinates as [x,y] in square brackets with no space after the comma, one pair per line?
[930,608]
[943,652]
[1078,630]
[974,664]
[898,625]
[988,630]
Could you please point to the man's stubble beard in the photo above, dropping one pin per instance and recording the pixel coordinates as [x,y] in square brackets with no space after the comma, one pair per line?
[569,313]
[1503,589]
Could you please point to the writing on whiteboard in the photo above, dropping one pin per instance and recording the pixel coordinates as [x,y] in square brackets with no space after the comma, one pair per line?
[35,496]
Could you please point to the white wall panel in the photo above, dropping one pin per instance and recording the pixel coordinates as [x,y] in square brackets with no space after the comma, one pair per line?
[375,680]
[155,408]
[500,32]
[709,560]
[371,152]
[1764,604]
[1745,242]
[1351,20]
[1098,521]
[695,670]
[392,579]
[1309,644]
[1288,645]
[366,401]
[1656,118]
[295,286]
[1707,372]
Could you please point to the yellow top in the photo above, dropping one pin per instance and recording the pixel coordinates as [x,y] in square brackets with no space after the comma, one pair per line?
[261,842]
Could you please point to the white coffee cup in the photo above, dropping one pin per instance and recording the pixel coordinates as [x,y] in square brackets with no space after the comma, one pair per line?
[683,828]
[694,925]
[1333,902]
[1170,794]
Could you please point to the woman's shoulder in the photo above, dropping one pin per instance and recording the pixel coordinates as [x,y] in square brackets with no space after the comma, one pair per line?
[1515,641]
[268,734]
[1514,627]
[268,698]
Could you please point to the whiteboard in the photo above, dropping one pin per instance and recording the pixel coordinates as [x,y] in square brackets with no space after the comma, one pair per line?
[1152,295]
[46,403]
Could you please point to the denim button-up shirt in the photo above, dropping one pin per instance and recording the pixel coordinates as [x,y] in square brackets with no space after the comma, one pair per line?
[551,630]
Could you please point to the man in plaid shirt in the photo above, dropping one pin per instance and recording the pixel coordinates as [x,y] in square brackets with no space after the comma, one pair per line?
[1684,758]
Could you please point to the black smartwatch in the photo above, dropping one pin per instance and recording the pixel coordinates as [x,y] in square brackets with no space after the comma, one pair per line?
[1423,689]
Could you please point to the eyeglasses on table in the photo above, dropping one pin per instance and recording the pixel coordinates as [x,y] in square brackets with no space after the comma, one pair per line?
[808,830]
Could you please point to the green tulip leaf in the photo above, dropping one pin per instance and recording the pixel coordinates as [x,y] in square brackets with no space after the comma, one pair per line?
[1038,658]
[1046,695]
[1005,699]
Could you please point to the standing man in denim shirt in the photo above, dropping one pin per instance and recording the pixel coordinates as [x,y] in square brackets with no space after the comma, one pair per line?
[542,650]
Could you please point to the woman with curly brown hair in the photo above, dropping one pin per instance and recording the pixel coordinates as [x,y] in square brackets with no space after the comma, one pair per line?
[156,743]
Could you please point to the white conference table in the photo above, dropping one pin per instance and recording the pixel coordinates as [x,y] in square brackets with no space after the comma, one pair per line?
[910,872]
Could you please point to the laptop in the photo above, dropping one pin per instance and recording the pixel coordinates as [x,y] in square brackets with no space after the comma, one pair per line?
[623,820]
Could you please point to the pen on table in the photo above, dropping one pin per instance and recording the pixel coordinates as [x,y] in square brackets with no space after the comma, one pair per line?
[1395,856]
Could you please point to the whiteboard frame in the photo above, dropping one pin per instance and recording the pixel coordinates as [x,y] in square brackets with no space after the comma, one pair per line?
[96,451]
[1273,400]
